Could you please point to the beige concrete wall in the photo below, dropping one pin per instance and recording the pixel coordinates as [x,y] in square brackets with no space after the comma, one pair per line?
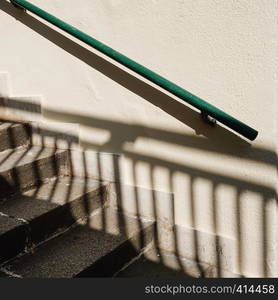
[223,51]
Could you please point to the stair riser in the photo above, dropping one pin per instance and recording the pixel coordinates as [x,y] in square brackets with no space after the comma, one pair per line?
[32,174]
[15,136]
[55,221]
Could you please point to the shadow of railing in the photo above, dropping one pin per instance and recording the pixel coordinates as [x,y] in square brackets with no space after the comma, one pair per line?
[193,174]
[216,140]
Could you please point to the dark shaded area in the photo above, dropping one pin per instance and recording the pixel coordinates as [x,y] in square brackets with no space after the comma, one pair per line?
[13,238]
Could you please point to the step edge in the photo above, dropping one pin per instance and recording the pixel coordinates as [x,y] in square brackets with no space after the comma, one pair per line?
[30,246]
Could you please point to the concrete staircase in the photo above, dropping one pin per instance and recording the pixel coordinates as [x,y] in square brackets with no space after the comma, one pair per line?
[53,224]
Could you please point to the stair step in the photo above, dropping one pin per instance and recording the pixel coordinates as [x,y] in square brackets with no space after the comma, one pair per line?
[96,248]
[14,135]
[46,210]
[25,167]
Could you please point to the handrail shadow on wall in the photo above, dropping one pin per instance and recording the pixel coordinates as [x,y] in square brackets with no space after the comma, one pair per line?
[181,112]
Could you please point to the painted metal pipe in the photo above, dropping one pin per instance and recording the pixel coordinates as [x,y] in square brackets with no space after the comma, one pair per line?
[203,106]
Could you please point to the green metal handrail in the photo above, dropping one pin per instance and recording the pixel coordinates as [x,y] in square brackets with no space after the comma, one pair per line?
[208,110]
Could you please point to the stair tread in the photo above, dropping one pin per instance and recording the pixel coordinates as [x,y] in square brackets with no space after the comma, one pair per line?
[21,156]
[40,200]
[46,210]
[77,249]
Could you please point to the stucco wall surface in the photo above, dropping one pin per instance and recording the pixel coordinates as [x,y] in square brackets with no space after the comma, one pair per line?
[224,51]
